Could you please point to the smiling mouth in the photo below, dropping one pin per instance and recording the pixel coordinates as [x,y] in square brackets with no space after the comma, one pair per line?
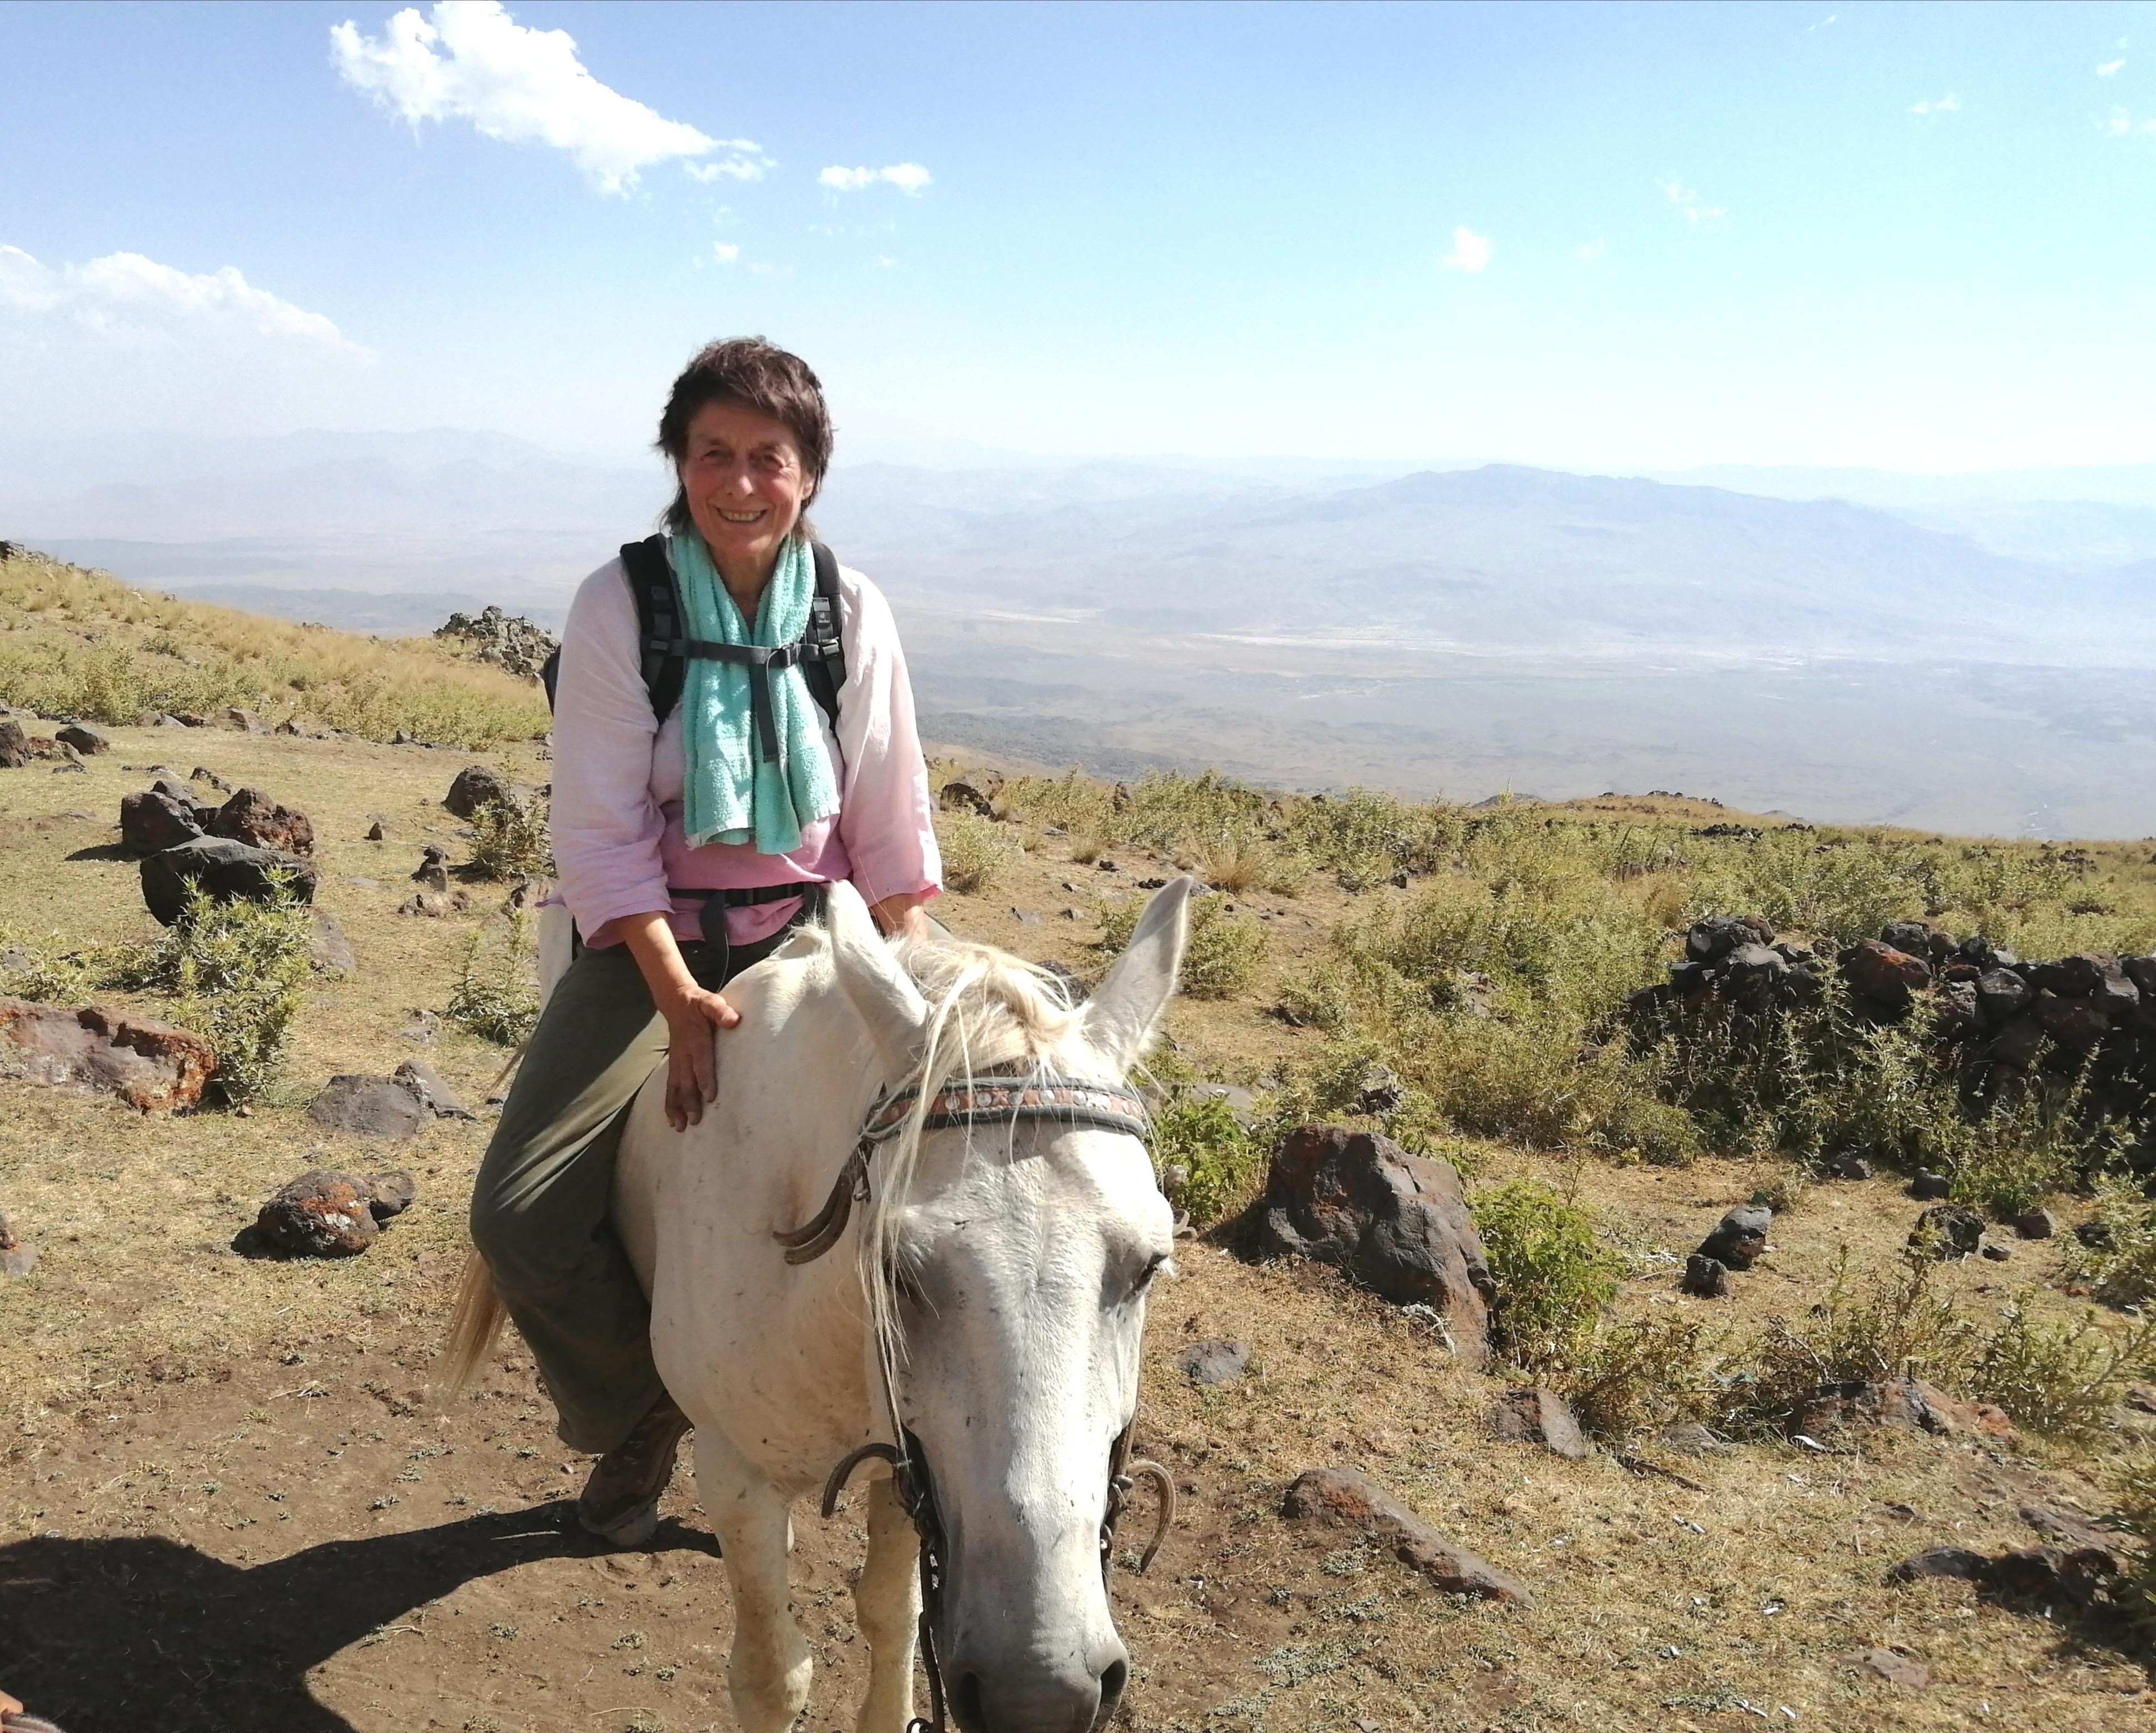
[740,517]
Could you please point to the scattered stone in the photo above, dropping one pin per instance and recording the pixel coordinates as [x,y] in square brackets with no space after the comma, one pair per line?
[1850,1168]
[16,1259]
[2065,1527]
[84,738]
[2050,1576]
[1883,974]
[1893,1401]
[225,870]
[369,1107]
[1938,1561]
[509,641]
[1025,917]
[201,773]
[2141,1397]
[474,786]
[1692,1440]
[1106,866]
[433,869]
[152,1066]
[376,834]
[1930,1185]
[1706,1276]
[332,1214]
[1996,1254]
[1539,1417]
[1740,1236]
[1896,1666]
[1950,1417]
[1345,1498]
[435,905]
[970,795]
[426,1083]
[251,817]
[1382,1092]
[1949,1230]
[327,947]
[1220,1362]
[151,820]
[246,720]
[1397,1223]
[16,752]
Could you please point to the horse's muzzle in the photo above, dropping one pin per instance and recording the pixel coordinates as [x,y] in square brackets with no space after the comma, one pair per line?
[1030,1698]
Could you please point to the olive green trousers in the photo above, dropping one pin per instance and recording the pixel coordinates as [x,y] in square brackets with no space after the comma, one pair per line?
[540,1206]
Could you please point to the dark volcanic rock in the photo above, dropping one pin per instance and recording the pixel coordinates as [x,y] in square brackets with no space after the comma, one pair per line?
[1942,1561]
[226,870]
[1740,1236]
[328,948]
[1541,1417]
[152,820]
[84,739]
[2075,1024]
[1881,973]
[330,1213]
[436,1096]
[1893,1401]
[1706,1276]
[1952,1230]
[1398,1223]
[475,786]
[1345,1498]
[2002,995]
[2018,1043]
[2072,978]
[152,1066]
[369,1107]
[1930,1185]
[251,817]
[1220,1362]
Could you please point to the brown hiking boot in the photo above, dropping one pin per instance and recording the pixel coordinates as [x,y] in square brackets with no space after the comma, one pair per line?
[620,1501]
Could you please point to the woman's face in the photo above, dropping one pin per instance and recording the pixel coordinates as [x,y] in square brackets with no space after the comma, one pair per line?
[742,474]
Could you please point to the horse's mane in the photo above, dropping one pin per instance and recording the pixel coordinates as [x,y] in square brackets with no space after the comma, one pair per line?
[989,1010]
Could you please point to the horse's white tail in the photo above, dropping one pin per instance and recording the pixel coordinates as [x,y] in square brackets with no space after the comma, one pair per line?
[474,1322]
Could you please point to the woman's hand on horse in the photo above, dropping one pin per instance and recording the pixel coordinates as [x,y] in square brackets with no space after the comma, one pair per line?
[693,1016]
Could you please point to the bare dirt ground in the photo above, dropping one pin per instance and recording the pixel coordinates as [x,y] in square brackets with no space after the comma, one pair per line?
[231,1499]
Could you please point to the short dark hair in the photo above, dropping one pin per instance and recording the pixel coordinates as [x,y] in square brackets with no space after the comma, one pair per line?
[758,375]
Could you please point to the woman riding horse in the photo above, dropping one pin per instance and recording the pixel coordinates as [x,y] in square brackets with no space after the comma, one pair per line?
[688,844]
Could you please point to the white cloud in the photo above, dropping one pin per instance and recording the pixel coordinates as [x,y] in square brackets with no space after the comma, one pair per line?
[1686,199]
[2108,68]
[1822,23]
[1946,105]
[725,252]
[129,299]
[468,59]
[1469,252]
[2121,123]
[1595,248]
[908,178]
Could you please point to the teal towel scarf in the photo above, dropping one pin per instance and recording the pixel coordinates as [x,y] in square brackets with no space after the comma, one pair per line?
[757,770]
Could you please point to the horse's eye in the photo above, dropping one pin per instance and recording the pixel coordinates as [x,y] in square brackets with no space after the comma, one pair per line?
[1139,1288]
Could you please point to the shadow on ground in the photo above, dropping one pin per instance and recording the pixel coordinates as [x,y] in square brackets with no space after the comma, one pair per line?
[123,1635]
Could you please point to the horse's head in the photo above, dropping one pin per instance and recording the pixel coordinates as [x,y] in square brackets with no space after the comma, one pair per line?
[1009,1263]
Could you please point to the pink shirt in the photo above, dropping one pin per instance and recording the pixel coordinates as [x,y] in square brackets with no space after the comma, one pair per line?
[618,780]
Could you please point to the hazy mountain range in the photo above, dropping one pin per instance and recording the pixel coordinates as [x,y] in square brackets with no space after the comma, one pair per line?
[1968,652]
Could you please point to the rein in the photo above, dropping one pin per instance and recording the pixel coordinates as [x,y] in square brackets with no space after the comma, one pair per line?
[966,1102]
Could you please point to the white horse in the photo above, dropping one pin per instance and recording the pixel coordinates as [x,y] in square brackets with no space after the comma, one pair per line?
[983,1339]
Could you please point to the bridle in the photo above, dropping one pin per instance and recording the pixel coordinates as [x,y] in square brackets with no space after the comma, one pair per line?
[988,1099]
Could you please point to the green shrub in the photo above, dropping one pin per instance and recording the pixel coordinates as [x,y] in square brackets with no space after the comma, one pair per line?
[57,972]
[239,971]
[1366,836]
[1225,1161]
[1224,953]
[495,996]
[1553,1278]
[976,850]
[511,840]
[2062,1379]
[1902,1329]
[2134,1490]
[2120,1268]
[1639,1376]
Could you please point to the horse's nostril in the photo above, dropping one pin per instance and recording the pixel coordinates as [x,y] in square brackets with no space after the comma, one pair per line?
[966,1705]
[1112,1682]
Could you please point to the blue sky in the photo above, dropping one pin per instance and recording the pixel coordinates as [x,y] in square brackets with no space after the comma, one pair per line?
[1608,237]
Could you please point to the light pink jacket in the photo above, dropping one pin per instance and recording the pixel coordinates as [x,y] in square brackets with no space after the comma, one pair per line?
[618,780]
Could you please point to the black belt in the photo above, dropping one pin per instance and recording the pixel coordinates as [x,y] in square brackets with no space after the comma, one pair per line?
[713,919]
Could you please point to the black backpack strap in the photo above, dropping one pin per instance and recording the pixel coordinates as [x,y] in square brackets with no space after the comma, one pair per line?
[823,650]
[659,627]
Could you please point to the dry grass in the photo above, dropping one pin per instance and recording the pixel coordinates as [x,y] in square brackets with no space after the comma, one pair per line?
[79,643]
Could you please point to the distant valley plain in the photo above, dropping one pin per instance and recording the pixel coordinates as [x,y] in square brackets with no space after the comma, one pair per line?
[1979,658]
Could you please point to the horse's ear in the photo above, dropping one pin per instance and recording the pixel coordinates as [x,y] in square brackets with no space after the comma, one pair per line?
[1125,1008]
[878,989]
